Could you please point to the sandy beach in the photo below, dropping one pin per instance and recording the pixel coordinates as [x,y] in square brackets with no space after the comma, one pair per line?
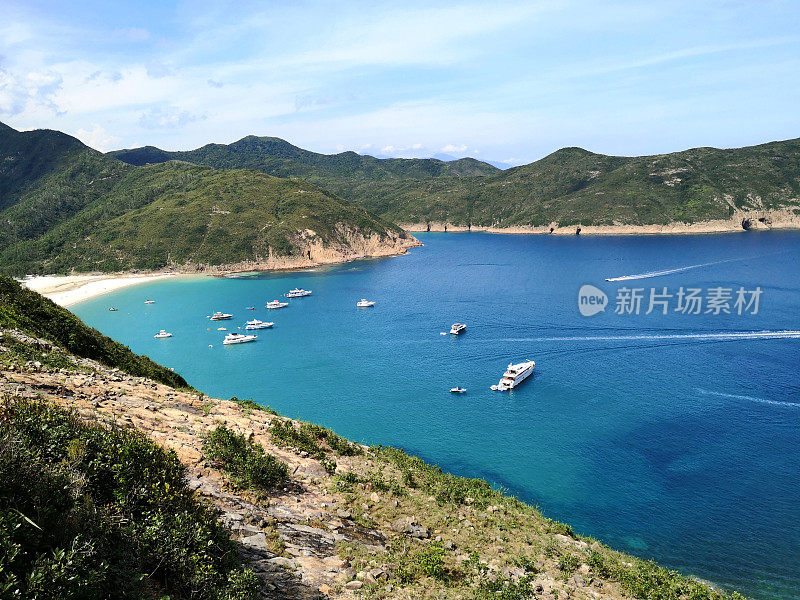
[67,290]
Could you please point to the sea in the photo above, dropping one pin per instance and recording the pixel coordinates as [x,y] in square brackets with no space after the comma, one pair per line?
[663,416]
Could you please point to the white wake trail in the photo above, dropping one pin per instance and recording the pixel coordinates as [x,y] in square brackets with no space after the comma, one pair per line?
[650,274]
[721,336]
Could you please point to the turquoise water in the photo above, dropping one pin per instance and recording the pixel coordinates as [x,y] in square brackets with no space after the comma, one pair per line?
[650,432]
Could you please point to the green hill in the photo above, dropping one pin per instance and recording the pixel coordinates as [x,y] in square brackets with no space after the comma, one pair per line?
[68,207]
[348,174]
[574,186]
[568,187]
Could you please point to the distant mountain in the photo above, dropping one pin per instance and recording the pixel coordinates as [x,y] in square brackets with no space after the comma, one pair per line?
[350,175]
[66,206]
[573,186]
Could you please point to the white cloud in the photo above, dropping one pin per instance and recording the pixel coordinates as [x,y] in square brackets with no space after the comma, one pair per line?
[98,138]
[454,148]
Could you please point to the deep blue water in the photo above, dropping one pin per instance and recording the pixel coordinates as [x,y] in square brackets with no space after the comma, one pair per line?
[640,430]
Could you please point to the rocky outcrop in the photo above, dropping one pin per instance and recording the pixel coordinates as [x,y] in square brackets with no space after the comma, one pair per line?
[740,220]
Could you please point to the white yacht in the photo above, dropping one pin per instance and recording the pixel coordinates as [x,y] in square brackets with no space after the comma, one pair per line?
[298,293]
[162,335]
[277,304]
[238,338]
[457,328]
[220,316]
[514,375]
[149,301]
[256,324]
[458,390]
[364,303]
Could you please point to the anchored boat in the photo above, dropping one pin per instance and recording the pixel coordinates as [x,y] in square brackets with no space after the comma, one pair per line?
[457,328]
[276,304]
[364,303]
[238,338]
[162,335]
[298,293]
[514,375]
[220,316]
[256,324]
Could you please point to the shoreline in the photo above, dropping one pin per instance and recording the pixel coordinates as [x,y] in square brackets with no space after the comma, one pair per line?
[68,290]
[740,221]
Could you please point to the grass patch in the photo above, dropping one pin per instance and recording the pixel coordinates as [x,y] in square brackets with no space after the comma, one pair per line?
[315,440]
[243,460]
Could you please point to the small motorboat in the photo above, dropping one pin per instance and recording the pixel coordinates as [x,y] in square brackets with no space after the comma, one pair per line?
[149,301]
[256,324]
[222,329]
[112,309]
[220,316]
[458,390]
[163,334]
[251,308]
[272,305]
[238,338]
[364,303]
[297,293]
[457,328]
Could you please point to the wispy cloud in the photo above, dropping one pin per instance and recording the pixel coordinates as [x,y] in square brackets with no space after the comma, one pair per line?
[513,78]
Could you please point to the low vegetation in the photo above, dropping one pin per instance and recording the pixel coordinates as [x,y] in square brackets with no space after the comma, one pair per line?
[491,545]
[38,317]
[313,439]
[96,513]
[243,460]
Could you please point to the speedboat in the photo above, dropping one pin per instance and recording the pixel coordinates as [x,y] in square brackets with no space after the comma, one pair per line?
[220,316]
[364,303]
[256,324]
[458,390]
[112,309]
[238,338]
[457,328]
[277,304]
[514,375]
[298,293]
[162,335]
[149,301]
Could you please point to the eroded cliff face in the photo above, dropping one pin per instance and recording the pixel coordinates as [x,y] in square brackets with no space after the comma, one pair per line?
[740,220]
[311,251]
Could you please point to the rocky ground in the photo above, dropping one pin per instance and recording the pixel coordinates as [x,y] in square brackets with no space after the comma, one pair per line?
[360,531]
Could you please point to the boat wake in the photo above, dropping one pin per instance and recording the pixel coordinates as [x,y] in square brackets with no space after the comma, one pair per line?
[717,336]
[748,398]
[650,274]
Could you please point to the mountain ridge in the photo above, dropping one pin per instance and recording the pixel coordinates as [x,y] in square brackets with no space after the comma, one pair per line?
[699,189]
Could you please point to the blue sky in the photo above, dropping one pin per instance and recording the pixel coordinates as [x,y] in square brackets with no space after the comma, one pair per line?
[505,81]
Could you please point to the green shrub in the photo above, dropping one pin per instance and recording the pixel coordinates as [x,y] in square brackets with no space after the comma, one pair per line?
[244,460]
[251,405]
[568,563]
[284,433]
[103,513]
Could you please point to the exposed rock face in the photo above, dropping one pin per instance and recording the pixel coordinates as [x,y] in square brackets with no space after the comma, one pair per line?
[739,221]
[312,251]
